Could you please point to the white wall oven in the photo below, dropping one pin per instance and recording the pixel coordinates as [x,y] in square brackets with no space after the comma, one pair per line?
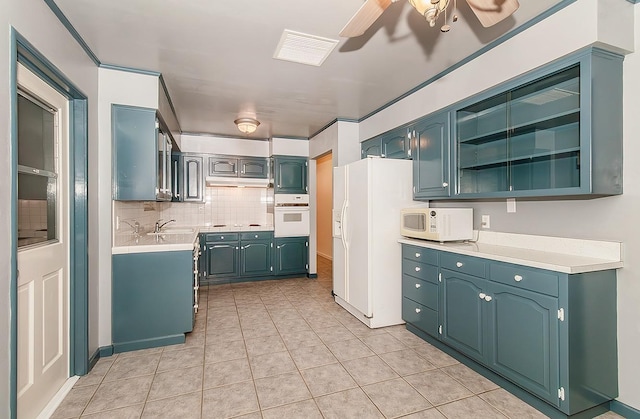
[291,215]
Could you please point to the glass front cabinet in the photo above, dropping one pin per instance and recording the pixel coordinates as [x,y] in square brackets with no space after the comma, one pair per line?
[558,134]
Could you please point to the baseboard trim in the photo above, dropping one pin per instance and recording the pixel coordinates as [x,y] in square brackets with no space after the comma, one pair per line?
[624,410]
[312,276]
[57,399]
[149,343]
[106,351]
[93,359]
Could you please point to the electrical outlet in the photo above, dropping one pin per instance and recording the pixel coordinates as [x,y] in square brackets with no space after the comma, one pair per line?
[486,221]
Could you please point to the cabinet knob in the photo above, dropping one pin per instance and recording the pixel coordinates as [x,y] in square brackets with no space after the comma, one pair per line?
[236,247]
[418,310]
[459,264]
[417,285]
[417,255]
[482,295]
[221,237]
[445,184]
[488,298]
[256,236]
[417,269]
[518,278]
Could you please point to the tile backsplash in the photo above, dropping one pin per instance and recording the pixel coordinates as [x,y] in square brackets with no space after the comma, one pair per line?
[229,206]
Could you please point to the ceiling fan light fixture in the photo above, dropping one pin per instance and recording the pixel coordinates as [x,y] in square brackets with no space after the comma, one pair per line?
[247,125]
[430,9]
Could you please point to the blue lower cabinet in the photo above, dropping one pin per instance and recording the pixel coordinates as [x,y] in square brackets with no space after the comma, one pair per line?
[223,259]
[152,299]
[524,327]
[255,258]
[464,325]
[551,334]
[292,255]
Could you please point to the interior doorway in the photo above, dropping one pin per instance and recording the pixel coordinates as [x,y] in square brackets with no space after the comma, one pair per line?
[324,199]
[43,243]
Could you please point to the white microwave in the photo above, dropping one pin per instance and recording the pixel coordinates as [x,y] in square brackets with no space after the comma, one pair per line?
[439,224]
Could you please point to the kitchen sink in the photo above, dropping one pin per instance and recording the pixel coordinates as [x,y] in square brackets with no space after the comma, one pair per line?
[172,231]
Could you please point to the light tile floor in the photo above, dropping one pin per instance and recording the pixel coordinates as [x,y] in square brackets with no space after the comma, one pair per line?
[284,349]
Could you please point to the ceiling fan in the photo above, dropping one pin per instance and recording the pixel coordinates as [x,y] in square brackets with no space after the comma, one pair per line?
[488,12]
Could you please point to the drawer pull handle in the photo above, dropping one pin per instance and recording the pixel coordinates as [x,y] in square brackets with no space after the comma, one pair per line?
[417,269]
[482,295]
[459,264]
[488,298]
[518,278]
[418,310]
[417,285]
[417,255]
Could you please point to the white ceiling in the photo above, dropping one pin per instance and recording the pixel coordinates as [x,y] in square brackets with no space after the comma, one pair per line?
[216,56]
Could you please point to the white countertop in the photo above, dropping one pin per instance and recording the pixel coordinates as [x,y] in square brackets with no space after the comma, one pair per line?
[552,253]
[144,243]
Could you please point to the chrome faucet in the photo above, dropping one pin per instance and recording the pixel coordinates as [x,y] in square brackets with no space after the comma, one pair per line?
[159,226]
[135,226]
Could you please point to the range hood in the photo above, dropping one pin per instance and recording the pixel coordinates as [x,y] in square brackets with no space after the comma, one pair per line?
[237,182]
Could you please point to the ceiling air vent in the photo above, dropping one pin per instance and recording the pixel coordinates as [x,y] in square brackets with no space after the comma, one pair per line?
[304,48]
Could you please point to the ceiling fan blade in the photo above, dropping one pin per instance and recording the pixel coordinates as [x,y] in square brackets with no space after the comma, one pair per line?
[368,13]
[490,12]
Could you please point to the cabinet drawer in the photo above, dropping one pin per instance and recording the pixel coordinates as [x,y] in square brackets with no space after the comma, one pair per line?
[420,270]
[465,264]
[257,235]
[420,316]
[527,278]
[221,237]
[420,254]
[420,291]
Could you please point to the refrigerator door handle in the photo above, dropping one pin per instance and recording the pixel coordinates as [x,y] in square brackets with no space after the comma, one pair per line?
[343,217]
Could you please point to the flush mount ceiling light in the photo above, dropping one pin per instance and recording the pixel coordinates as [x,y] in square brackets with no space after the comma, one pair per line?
[247,125]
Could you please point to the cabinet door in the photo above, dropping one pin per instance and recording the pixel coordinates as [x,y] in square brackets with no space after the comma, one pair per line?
[255,258]
[396,145]
[176,177]
[372,147]
[254,168]
[431,157]
[223,166]
[222,259]
[523,339]
[291,255]
[290,175]
[193,179]
[135,151]
[463,313]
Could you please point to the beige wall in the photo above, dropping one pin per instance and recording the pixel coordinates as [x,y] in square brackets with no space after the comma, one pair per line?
[324,194]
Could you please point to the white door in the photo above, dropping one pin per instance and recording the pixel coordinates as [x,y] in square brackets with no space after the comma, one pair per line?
[43,243]
[357,228]
[339,248]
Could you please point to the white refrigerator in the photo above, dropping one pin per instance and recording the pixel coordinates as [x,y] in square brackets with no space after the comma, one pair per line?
[367,277]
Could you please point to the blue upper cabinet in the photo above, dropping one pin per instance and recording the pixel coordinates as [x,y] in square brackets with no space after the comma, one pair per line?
[254,167]
[395,144]
[290,175]
[141,155]
[192,179]
[555,131]
[223,166]
[371,147]
[431,144]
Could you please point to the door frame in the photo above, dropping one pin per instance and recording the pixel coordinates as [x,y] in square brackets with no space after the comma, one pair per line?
[26,54]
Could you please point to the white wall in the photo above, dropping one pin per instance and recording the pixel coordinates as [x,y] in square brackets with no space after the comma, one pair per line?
[123,88]
[289,147]
[224,145]
[33,20]
[583,23]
